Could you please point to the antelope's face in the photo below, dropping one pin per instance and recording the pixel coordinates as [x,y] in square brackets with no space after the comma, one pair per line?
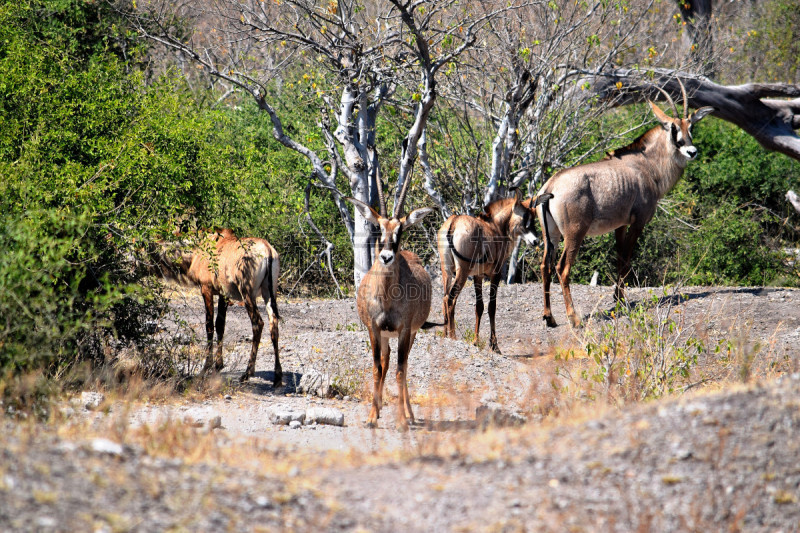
[679,130]
[680,134]
[523,221]
[392,229]
[523,224]
[389,244]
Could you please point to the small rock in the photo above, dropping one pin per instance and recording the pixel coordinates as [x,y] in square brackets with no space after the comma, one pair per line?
[295,424]
[228,397]
[91,400]
[283,416]
[262,501]
[492,413]
[46,522]
[325,415]
[106,446]
[316,383]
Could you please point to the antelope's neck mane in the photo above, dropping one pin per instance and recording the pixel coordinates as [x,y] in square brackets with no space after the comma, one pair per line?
[498,212]
[639,146]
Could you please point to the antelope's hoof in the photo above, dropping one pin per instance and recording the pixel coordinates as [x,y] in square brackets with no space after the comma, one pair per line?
[575,321]
[550,321]
[247,375]
[278,381]
[218,365]
[371,424]
[402,426]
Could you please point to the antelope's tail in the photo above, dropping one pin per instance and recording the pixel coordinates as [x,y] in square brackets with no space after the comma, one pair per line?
[430,325]
[273,271]
[544,201]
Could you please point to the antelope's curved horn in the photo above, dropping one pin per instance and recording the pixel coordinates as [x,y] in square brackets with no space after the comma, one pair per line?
[379,185]
[685,99]
[669,99]
[398,207]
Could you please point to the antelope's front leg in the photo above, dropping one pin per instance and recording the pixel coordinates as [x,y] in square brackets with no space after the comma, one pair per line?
[377,374]
[619,288]
[492,311]
[404,341]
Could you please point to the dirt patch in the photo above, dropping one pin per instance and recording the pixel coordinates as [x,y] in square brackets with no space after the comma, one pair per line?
[726,460]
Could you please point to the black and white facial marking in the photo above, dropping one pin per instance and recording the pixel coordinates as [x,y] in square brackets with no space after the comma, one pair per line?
[682,139]
[527,226]
[389,244]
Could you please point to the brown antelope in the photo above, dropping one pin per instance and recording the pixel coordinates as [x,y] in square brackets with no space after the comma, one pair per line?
[479,246]
[619,193]
[393,300]
[233,269]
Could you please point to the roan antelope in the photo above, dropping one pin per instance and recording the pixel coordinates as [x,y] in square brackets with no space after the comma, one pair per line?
[393,300]
[233,269]
[479,246]
[619,193]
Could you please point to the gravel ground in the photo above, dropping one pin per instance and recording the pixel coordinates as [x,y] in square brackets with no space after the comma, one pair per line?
[703,462]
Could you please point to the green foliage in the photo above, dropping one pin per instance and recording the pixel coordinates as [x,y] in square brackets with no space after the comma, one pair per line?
[772,45]
[93,164]
[642,352]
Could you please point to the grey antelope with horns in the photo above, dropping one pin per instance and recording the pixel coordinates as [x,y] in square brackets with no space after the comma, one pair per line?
[619,193]
[478,247]
[233,269]
[393,300]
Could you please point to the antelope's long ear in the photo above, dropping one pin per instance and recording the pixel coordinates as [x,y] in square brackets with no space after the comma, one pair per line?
[662,117]
[518,208]
[366,211]
[701,113]
[541,199]
[416,216]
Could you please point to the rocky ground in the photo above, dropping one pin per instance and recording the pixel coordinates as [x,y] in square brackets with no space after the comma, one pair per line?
[709,460]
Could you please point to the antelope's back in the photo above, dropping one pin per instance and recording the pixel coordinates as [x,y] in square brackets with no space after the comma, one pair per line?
[471,238]
[601,196]
[242,266]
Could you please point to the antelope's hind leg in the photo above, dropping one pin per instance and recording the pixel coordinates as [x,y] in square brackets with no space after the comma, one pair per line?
[222,311]
[451,297]
[547,276]
[477,280]
[568,257]
[258,327]
[208,302]
[272,314]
